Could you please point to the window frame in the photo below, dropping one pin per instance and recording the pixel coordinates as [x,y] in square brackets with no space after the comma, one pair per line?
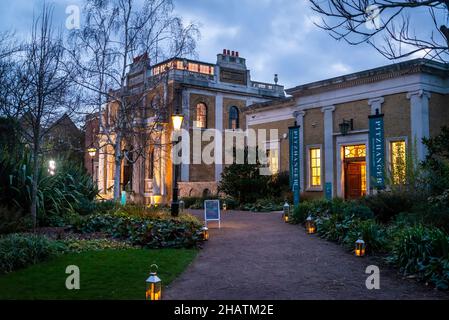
[197,115]
[237,113]
[389,155]
[311,187]
[273,145]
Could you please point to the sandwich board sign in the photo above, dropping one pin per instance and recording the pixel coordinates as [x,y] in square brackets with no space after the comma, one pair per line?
[212,211]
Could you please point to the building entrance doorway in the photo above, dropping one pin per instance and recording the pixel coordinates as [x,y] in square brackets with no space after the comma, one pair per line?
[355,171]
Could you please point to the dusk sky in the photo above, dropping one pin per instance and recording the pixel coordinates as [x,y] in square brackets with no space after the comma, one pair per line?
[275,36]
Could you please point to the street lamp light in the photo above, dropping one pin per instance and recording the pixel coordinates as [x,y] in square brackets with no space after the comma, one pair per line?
[92,153]
[177,120]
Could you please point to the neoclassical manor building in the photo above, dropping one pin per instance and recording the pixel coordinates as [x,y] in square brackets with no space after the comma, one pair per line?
[210,96]
[333,116]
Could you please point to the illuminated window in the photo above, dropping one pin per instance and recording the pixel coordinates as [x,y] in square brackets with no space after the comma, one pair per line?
[233,118]
[398,161]
[315,167]
[201,116]
[355,151]
[273,160]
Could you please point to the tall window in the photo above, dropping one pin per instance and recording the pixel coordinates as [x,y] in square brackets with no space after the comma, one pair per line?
[398,161]
[315,167]
[201,116]
[151,165]
[273,160]
[234,118]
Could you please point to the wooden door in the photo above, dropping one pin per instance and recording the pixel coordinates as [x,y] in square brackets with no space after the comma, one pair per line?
[353,180]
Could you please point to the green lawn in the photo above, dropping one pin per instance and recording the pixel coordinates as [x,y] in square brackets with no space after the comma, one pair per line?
[108,274]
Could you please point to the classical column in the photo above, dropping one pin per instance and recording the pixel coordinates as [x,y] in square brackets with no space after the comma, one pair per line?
[185,173]
[299,118]
[101,177]
[218,140]
[329,147]
[376,105]
[419,114]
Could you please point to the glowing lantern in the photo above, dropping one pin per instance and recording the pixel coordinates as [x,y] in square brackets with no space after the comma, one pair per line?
[154,285]
[205,233]
[310,225]
[360,247]
[286,213]
[225,206]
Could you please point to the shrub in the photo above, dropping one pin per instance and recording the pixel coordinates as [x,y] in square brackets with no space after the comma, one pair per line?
[437,272]
[13,220]
[414,247]
[20,250]
[387,204]
[264,205]
[77,245]
[301,212]
[71,188]
[148,232]
[371,232]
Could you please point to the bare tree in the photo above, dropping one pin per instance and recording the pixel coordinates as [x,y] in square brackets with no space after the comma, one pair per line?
[38,90]
[394,28]
[114,34]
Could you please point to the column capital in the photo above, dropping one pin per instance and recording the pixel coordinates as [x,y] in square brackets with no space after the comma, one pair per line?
[378,100]
[328,109]
[299,113]
[420,93]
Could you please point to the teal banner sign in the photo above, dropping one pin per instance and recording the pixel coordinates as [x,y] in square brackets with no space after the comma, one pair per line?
[377,151]
[294,163]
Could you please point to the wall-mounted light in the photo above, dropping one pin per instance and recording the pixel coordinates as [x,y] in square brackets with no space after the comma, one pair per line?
[346,126]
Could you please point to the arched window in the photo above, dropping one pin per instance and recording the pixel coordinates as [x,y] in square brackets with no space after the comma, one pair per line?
[234,118]
[201,116]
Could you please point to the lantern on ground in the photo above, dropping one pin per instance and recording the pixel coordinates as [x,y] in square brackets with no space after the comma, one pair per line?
[154,285]
[225,206]
[286,213]
[181,206]
[205,233]
[310,225]
[360,248]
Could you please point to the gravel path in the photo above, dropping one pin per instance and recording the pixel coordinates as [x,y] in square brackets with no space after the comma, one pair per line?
[257,256]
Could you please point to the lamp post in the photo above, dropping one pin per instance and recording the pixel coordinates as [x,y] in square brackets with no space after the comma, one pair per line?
[177,120]
[92,153]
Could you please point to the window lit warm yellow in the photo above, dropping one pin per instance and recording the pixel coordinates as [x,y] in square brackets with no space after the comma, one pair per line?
[273,160]
[355,151]
[398,161]
[315,167]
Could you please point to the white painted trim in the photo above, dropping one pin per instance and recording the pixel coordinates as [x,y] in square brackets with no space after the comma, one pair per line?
[419,114]
[309,172]
[270,116]
[376,104]
[374,90]
[351,140]
[329,145]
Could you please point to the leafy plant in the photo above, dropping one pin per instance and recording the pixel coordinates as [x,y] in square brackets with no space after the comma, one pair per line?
[20,250]
[156,231]
[414,247]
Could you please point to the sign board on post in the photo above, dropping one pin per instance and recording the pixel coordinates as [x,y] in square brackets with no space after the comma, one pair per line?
[294,162]
[212,211]
[377,151]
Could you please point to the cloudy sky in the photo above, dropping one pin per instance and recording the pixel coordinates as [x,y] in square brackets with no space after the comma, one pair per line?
[275,36]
